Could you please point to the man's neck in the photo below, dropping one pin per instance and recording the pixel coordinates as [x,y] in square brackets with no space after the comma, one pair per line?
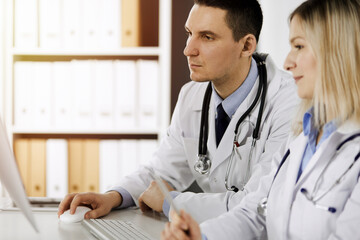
[226,86]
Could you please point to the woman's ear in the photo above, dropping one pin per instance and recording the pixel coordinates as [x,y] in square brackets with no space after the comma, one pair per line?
[249,45]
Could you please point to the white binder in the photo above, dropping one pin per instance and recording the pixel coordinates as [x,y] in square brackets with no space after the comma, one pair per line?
[26,25]
[148,94]
[56,168]
[50,28]
[104,95]
[71,18]
[109,165]
[82,79]
[42,95]
[128,156]
[63,95]
[24,74]
[126,102]
[90,24]
[110,27]
[146,149]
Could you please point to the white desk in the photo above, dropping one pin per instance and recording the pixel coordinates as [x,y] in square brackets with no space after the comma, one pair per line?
[14,226]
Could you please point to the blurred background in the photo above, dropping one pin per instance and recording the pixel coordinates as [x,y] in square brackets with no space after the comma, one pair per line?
[88,84]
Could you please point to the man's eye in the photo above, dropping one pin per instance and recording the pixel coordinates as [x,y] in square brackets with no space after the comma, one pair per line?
[207,37]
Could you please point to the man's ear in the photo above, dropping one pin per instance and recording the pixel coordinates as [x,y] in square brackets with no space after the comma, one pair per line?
[249,43]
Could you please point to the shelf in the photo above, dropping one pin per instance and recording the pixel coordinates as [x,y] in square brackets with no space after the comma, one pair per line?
[131,51]
[85,131]
[73,145]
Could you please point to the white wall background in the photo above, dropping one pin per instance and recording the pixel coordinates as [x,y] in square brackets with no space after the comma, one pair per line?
[274,38]
[2,57]
[2,75]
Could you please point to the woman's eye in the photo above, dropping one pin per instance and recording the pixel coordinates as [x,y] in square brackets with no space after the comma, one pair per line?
[299,47]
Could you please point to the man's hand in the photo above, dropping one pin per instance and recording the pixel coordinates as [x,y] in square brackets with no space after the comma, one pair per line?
[152,197]
[181,228]
[100,203]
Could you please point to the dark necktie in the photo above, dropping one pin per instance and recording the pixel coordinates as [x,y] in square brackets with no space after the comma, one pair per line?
[221,123]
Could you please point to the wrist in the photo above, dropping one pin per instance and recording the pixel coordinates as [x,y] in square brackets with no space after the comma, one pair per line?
[115,198]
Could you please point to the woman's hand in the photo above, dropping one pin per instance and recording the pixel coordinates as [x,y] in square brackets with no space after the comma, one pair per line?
[181,228]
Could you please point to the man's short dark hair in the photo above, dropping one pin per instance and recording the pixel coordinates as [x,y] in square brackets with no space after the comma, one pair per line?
[242,17]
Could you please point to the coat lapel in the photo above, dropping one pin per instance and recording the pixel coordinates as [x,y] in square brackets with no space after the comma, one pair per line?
[289,177]
[320,160]
[225,147]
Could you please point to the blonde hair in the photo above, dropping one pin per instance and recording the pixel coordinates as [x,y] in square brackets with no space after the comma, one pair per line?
[332,28]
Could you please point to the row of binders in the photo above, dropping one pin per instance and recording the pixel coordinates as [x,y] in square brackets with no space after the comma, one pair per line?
[120,95]
[77,24]
[56,167]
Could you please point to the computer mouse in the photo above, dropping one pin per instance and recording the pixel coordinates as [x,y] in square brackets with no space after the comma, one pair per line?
[76,217]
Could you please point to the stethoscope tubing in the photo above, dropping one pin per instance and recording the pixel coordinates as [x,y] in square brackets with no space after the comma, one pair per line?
[263,203]
[203,136]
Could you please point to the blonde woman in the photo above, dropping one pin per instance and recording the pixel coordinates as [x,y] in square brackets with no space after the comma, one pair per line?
[314,191]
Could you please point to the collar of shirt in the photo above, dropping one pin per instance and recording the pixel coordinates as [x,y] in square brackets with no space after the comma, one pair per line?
[311,132]
[232,102]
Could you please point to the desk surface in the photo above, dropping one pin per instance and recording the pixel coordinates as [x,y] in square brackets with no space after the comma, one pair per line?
[13,225]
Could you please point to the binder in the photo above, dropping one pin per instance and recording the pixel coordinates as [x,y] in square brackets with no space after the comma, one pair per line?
[130,20]
[50,28]
[110,30]
[146,149]
[82,80]
[22,156]
[125,97]
[104,95]
[24,74]
[128,156]
[91,165]
[71,18]
[37,167]
[26,26]
[42,95]
[109,166]
[148,109]
[76,170]
[90,24]
[63,96]
[56,168]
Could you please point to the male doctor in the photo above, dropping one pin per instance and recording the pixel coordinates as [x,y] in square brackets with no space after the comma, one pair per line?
[222,37]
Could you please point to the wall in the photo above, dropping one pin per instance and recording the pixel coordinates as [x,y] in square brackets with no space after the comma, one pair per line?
[274,38]
[179,69]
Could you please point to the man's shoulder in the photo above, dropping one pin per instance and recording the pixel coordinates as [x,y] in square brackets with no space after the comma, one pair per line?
[275,74]
[281,86]
[194,86]
[193,89]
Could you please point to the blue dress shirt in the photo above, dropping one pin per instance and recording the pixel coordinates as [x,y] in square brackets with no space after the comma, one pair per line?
[311,133]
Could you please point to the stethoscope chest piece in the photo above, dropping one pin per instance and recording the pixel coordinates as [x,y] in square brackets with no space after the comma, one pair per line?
[202,165]
[262,207]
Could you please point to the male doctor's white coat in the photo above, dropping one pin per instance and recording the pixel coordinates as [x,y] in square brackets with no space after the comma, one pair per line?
[175,158]
[290,215]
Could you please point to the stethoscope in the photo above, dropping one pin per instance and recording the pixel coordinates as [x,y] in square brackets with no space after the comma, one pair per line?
[262,206]
[203,163]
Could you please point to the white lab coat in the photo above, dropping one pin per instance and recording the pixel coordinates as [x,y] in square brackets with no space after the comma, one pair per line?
[175,158]
[290,215]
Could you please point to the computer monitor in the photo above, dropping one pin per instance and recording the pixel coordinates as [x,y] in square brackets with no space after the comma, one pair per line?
[10,178]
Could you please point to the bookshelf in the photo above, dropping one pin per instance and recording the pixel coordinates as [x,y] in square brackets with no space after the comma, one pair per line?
[149,50]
